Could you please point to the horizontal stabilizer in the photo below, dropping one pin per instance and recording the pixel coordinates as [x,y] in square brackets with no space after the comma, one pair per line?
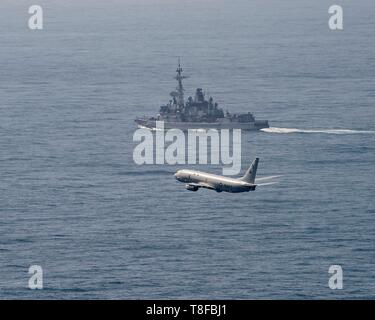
[267,183]
[267,178]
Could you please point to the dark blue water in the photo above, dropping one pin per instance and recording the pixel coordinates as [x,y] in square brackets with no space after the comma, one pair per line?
[73,201]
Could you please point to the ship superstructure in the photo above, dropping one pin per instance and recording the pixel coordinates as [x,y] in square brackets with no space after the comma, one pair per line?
[198,113]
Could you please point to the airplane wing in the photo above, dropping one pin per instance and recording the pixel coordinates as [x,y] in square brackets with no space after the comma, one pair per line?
[201,185]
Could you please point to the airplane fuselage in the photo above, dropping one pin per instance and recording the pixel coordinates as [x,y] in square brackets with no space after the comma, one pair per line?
[198,179]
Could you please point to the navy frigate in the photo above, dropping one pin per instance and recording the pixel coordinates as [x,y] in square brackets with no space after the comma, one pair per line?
[198,113]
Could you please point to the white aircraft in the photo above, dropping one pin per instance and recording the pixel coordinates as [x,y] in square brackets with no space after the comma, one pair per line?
[198,179]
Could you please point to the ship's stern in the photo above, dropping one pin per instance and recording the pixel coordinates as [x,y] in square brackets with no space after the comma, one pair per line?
[261,124]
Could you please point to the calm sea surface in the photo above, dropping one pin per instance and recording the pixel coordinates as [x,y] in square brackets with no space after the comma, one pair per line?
[73,201]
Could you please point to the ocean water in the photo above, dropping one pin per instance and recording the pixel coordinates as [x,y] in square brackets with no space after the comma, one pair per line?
[73,201]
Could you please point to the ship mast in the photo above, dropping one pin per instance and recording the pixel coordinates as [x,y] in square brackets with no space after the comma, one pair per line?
[180,88]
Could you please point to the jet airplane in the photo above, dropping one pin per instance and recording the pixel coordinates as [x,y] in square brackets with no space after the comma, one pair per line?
[198,179]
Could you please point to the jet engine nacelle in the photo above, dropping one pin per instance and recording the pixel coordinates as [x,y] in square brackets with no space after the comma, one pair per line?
[191,188]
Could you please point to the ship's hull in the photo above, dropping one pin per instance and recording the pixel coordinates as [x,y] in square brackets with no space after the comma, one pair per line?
[251,126]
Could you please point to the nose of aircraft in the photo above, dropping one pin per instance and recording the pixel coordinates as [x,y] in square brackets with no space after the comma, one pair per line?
[177,175]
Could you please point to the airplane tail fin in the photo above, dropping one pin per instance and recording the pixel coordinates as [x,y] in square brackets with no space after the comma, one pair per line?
[251,172]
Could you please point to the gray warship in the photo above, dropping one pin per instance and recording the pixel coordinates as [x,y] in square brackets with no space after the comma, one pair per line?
[198,113]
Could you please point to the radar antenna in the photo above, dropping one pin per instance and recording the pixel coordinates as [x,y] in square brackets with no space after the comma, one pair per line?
[180,89]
